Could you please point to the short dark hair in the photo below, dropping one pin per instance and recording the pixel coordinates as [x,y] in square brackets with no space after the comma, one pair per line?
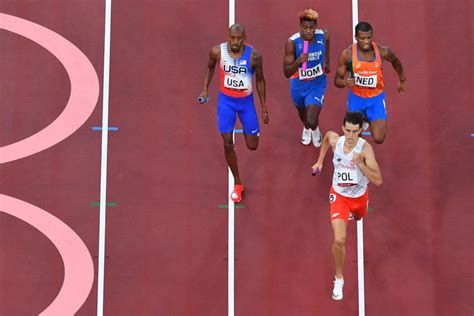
[238,27]
[363,27]
[355,118]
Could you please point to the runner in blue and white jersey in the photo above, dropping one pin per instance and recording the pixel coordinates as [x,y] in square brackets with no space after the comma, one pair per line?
[307,73]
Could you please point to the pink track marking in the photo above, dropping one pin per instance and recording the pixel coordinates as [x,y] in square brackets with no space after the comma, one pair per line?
[78,265]
[84,89]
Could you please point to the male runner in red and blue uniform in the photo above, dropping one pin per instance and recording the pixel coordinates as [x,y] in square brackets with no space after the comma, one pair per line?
[354,167]
[238,62]
[308,85]
[363,61]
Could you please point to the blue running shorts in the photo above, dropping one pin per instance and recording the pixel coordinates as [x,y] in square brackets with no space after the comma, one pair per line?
[372,108]
[229,107]
[308,94]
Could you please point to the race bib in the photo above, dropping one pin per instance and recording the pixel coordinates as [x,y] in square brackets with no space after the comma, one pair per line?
[236,83]
[366,81]
[347,177]
[310,73]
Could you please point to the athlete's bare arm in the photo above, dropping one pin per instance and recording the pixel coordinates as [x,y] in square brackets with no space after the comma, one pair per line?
[390,56]
[290,64]
[327,67]
[214,57]
[257,65]
[339,80]
[368,164]
[330,140]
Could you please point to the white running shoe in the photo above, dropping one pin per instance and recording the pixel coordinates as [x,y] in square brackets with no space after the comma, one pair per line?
[337,291]
[306,136]
[317,138]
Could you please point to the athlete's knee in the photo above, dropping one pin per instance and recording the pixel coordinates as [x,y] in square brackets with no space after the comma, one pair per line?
[252,145]
[252,142]
[340,241]
[379,139]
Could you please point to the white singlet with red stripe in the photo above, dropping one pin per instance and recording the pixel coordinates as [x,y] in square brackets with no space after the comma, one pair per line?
[348,180]
[236,74]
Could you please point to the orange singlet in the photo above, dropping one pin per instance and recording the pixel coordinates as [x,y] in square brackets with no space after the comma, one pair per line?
[367,74]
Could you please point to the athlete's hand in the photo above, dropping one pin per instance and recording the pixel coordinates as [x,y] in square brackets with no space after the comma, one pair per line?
[265,117]
[302,59]
[202,98]
[316,168]
[349,82]
[402,85]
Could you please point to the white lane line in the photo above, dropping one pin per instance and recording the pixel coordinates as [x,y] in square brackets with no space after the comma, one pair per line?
[230,224]
[360,266]
[103,167]
[360,224]
[231,12]
[230,249]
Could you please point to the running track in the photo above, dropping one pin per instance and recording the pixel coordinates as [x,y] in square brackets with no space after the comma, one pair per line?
[166,237]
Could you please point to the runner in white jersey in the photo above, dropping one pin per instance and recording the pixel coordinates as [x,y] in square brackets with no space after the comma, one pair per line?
[354,167]
[348,180]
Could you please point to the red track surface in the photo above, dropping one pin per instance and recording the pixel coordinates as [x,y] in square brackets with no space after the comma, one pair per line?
[166,238]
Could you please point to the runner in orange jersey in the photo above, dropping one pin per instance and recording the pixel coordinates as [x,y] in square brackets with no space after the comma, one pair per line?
[363,61]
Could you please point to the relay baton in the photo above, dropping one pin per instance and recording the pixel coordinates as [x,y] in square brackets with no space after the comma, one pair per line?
[350,69]
[315,171]
[305,51]
[202,100]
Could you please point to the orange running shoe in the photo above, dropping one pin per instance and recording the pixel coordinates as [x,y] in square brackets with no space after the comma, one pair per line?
[236,195]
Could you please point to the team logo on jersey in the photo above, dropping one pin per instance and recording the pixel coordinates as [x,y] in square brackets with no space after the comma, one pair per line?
[332,198]
[234,69]
[320,42]
[242,62]
[376,64]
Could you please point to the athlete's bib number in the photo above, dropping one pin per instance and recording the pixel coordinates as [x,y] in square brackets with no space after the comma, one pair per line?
[236,83]
[310,73]
[366,81]
[347,178]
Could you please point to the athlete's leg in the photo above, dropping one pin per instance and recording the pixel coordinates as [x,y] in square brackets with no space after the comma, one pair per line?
[297,96]
[339,212]
[359,206]
[302,114]
[231,156]
[312,116]
[378,129]
[251,141]
[338,247]
[314,103]
[356,104]
[248,118]
[377,115]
